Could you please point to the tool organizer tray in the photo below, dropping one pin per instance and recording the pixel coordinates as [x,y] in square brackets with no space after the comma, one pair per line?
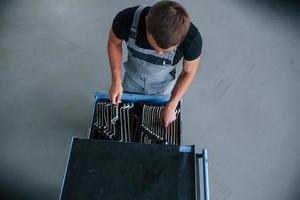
[135,119]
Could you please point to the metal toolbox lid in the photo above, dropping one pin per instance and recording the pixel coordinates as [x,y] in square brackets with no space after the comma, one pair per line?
[108,170]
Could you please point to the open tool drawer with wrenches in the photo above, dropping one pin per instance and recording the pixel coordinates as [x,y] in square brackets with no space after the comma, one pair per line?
[136,119]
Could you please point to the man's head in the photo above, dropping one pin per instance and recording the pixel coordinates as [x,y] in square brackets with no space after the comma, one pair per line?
[167,24]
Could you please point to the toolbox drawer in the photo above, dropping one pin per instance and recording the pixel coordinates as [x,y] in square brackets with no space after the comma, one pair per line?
[136,119]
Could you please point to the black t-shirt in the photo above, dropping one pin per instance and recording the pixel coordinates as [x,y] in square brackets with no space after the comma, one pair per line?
[189,49]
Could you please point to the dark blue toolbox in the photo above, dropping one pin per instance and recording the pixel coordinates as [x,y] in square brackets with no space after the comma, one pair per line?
[129,155]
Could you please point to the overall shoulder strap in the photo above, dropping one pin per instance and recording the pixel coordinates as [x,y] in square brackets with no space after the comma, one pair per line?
[135,22]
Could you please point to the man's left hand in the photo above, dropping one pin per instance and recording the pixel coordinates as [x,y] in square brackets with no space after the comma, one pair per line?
[168,115]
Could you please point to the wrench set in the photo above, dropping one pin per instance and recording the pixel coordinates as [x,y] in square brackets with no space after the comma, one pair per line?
[151,130]
[134,122]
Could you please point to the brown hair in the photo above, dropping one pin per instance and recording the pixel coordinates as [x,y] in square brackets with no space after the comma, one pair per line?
[168,23]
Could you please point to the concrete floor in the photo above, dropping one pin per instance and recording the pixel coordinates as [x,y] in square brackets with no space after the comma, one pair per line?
[244,105]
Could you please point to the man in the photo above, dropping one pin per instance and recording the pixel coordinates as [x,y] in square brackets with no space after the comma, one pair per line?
[157,38]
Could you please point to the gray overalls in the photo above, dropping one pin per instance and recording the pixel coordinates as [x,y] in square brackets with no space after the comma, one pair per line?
[146,72]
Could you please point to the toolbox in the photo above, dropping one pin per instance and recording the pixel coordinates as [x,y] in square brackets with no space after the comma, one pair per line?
[129,155]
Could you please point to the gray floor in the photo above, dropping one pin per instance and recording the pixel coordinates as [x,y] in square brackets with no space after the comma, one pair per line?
[244,105]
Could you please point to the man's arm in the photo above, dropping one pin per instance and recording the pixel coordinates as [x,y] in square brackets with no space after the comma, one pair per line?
[114,49]
[183,83]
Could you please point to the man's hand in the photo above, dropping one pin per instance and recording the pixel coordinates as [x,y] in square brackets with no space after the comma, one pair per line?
[184,80]
[115,93]
[114,49]
[168,115]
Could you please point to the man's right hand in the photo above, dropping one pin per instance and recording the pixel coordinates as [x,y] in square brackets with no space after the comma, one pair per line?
[115,93]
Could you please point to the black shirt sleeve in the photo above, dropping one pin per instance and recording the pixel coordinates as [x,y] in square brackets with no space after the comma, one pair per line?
[191,46]
[122,23]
